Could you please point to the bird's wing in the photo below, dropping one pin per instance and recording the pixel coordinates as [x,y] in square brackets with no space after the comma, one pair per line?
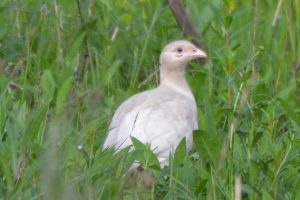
[160,120]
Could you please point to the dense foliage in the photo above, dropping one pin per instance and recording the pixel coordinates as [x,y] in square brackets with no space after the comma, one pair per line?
[52,123]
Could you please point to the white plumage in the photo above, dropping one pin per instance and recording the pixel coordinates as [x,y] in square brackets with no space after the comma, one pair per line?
[163,116]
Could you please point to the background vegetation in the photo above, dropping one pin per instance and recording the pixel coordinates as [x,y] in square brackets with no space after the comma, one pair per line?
[52,124]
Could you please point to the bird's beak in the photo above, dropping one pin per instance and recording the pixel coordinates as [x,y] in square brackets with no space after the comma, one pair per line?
[197,53]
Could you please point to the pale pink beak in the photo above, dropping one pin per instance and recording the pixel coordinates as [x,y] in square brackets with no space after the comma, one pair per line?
[197,53]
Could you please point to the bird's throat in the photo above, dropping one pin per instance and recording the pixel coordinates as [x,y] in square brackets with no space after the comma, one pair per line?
[175,79]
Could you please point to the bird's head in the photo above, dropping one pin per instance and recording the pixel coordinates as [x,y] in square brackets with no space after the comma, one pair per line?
[176,55]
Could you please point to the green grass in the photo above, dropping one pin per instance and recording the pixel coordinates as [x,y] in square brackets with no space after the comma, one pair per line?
[52,124]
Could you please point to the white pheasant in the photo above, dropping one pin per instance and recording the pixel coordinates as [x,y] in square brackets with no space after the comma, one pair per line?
[163,116]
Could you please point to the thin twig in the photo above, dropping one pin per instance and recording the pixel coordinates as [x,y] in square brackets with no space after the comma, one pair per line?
[254,39]
[59,34]
[80,68]
[238,188]
[276,13]
[80,12]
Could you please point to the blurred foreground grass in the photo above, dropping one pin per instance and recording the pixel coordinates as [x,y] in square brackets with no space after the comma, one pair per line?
[52,126]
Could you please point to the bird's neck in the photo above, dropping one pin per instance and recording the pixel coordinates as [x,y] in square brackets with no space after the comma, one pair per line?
[175,79]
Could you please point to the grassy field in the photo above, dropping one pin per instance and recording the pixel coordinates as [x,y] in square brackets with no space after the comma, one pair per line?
[53,123]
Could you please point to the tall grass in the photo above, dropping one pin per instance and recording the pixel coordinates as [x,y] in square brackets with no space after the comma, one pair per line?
[53,122]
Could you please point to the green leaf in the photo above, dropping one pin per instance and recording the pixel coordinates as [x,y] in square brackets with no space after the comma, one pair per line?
[62,95]
[209,119]
[90,25]
[72,55]
[267,196]
[2,117]
[180,154]
[48,87]
[209,146]
[137,144]
[290,112]
[228,21]
[288,91]
[33,130]
[109,74]
[145,155]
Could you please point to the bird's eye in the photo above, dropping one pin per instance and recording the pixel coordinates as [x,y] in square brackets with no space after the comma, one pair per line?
[179,50]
